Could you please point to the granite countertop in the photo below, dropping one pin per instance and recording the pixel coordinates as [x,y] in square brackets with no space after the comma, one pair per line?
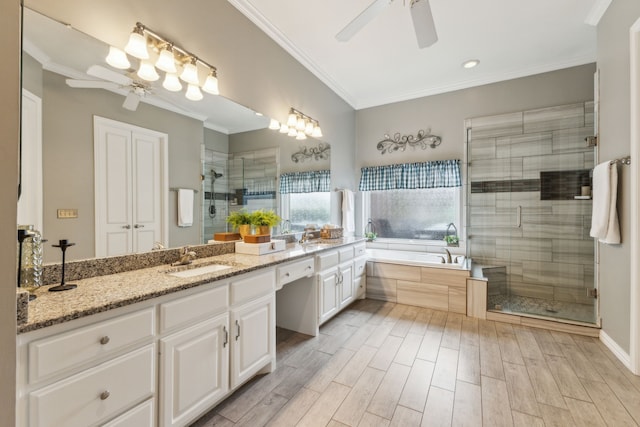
[102,293]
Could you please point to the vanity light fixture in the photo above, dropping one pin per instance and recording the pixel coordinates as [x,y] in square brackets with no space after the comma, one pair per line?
[155,51]
[298,125]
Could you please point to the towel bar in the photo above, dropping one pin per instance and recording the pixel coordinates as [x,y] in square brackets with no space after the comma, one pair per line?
[622,161]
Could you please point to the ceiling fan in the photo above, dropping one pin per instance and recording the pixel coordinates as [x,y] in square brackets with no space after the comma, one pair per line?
[112,80]
[420,14]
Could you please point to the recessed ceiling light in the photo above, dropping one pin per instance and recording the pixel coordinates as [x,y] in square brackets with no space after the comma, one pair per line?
[470,63]
[259,114]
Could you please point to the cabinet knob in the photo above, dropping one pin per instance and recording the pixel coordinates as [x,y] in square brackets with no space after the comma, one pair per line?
[105,395]
[138,226]
[105,340]
[287,274]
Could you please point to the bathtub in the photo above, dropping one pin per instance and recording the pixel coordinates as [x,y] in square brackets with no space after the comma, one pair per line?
[423,259]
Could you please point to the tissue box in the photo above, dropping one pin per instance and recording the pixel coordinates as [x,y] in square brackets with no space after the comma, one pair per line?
[260,248]
[331,233]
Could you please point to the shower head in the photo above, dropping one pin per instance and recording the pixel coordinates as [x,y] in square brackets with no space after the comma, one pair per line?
[215,174]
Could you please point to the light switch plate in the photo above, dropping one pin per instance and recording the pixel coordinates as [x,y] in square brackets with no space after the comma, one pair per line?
[67,213]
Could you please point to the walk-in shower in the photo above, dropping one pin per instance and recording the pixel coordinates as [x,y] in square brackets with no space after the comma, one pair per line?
[213,211]
[527,219]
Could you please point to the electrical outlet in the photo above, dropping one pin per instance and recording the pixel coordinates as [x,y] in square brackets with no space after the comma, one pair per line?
[67,213]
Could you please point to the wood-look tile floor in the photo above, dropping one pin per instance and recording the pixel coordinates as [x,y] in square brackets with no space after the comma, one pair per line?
[385,364]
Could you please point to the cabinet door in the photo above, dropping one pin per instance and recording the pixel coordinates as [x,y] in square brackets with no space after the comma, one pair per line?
[253,338]
[347,293]
[328,288]
[194,370]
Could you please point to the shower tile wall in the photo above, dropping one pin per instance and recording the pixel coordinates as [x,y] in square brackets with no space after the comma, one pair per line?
[253,177]
[214,161]
[551,255]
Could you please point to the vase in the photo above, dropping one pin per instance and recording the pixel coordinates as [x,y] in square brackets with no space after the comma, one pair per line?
[263,229]
[244,229]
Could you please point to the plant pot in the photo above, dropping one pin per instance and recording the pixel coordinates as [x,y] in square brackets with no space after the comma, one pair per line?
[263,229]
[244,230]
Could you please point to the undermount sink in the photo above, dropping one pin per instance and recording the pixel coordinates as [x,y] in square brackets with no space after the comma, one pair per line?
[190,270]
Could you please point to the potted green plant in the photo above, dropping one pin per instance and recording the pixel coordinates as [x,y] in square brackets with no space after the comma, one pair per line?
[263,220]
[370,236]
[451,240]
[240,220]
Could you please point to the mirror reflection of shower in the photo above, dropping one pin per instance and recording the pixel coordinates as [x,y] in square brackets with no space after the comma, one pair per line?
[212,206]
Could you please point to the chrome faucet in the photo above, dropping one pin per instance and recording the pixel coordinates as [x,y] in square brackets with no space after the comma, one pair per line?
[186,256]
[448,255]
[157,246]
[307,235]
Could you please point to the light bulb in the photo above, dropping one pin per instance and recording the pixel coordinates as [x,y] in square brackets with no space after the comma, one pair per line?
[292,120]
[193,93]
[292,132]
[117,58]
[148,72]
[211,84]
[284,128]
[274,124]
[317,132]
[171,82]
[137,45]
[166,62]
[301,124]
[301,135]
[190,73]
[308,130]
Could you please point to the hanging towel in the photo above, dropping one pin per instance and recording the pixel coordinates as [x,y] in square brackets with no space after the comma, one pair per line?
[604,219]
[348,211]
[185,207]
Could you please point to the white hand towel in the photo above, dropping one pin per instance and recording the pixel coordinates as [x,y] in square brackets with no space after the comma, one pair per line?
[185,207]
[604,218]
[348,211]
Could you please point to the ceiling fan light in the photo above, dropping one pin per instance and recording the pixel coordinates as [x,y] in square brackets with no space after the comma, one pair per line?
[172,82]
[117,59]
[292,119]
[137,45]
[166,61]
[317,132]
[193,93]
[300,135]
[274,124]
[211,84]
[292,131]
[190,73]
[284,128]
[148,72]
[301,124]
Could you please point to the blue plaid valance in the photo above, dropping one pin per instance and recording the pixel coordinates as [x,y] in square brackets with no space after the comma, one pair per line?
[405,176]
[305,182]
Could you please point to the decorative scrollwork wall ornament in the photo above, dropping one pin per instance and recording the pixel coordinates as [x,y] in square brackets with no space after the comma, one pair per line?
[321,152]
[422,139]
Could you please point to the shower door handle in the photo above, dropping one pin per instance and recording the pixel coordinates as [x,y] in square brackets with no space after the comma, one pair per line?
[519,216]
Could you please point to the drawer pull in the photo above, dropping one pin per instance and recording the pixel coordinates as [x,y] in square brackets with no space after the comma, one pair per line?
[287,274]
[308,267]
[238,326]
[105,395]
[105,340]
[226,337]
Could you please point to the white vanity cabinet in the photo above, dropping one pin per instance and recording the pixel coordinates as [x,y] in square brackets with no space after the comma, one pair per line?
[335,279]
[360,270]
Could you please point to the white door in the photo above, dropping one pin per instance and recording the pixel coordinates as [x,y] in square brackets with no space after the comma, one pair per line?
[30,201]
[253,341]
[194,366]
[328,288]
[130,187]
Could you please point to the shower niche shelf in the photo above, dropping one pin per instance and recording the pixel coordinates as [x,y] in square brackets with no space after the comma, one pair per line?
[563,185]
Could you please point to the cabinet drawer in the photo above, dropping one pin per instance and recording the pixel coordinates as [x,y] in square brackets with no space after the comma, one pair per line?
[359,267]
[54,354]
[95,394]
[140,416]
[346,254]
[327,260]
[293,271]
[253,286]
[359,249]
[194,307]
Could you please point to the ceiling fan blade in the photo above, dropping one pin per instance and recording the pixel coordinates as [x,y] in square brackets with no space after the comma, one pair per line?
[91,84]
[423,24]
[362,20]
[131,101]
[106,74]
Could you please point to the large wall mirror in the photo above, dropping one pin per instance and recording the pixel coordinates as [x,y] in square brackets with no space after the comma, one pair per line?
[68,88]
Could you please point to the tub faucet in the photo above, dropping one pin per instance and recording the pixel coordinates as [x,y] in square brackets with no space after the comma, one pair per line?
[448,255]
[186,256]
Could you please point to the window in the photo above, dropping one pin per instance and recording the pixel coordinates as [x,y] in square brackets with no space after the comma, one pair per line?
[413,200]
[305,198]
[415,214]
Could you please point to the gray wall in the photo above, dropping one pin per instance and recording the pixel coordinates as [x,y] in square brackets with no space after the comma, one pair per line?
[68,160]
[9,135]
[216,141]
[614,142]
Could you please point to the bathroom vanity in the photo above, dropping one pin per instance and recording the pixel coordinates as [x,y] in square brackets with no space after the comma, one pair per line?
[148,347]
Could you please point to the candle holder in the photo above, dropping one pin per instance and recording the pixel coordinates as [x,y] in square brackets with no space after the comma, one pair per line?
[63,245]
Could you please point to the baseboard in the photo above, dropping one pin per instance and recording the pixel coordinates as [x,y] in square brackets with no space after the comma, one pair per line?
[613,346]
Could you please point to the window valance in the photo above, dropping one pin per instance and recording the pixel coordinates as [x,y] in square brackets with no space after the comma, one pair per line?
[305,182]
[405,176]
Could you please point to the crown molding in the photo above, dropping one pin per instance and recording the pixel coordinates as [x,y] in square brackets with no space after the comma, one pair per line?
[597,12]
